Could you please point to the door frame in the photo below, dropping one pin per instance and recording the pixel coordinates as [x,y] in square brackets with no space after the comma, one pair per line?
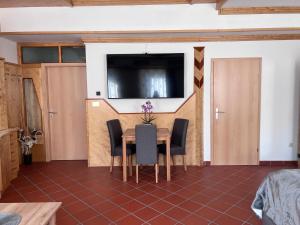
[212,113]
[45,103]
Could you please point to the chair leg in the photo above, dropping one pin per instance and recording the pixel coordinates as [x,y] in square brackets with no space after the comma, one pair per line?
[156,173]
[173,160]
[137,173]
[130,165]
[184,162]
[112,164]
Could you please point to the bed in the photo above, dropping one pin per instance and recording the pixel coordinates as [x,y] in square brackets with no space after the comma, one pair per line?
[277,200]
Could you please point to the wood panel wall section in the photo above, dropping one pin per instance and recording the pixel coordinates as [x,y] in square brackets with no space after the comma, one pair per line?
[199,90]
[98,138]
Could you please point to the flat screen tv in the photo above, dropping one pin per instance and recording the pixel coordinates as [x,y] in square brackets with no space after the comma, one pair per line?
[145,75]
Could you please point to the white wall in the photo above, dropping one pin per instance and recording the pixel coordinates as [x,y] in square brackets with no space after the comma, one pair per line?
[279,95]
[145,17]
[96,70]
[8,50]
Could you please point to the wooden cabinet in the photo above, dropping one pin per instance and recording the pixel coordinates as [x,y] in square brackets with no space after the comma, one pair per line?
[5,162]
[14,155]
[9,157]
[11,119]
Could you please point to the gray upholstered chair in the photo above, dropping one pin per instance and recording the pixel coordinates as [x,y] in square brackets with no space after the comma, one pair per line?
[178,140]
[115,135]
[146,148]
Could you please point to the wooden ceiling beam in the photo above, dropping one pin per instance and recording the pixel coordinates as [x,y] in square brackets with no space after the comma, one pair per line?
[258,10]
[215,38]
[220,3]
[136,2]
[53,3]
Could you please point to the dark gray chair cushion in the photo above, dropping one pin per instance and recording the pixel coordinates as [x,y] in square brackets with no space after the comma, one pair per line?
[115,135]
[130,149]
[146,144]
[178,138]
[174,149]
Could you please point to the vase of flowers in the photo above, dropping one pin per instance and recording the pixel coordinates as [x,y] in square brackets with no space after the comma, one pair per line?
[27,143]
[147,110]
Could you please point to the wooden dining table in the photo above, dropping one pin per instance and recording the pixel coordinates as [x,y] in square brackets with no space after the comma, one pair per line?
[163,134]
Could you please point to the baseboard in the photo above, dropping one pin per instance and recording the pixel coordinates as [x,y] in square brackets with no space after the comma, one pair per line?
[278,163]
[266,163]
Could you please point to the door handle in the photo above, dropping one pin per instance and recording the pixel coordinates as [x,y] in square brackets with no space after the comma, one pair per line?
[218,112]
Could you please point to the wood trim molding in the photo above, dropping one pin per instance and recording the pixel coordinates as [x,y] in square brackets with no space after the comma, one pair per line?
[73,3]
[50,44]
[145,32]
[259,10]
[220,3]
[205,35]
[116,111]
[217,38]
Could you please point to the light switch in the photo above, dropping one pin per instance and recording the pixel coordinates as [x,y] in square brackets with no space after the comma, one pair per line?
[95,104]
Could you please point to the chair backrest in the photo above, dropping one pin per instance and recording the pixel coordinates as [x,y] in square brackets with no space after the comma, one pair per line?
[179,132]
[115,134]
[146,144]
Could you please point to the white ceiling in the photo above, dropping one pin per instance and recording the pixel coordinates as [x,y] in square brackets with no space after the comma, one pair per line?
[260,3]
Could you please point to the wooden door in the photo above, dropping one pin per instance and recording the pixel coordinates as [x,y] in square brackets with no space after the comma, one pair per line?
[235,111]
[67,115]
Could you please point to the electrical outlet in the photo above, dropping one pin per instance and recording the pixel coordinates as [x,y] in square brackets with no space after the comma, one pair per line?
[98,93]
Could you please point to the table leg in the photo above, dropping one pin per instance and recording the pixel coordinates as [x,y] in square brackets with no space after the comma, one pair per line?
[168,159]
[52,220]
[124,160]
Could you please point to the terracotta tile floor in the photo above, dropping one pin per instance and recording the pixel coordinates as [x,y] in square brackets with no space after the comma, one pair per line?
[204,195]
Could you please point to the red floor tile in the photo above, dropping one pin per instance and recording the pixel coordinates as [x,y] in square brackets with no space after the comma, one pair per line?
[162,220]
[218,195]
[190,206]
[67,220]
[239,213]
[85,214]
[146,213]
[130,220]
[161,206]
[132,206]
[227,220]
[177,213]
[208,213]
[195,220]
[115,214]
[104,206]
[147,199]
[98,220]
[174,199]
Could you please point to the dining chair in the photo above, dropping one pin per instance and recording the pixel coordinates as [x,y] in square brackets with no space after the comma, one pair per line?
[146,148]
[178,141]
[115,135]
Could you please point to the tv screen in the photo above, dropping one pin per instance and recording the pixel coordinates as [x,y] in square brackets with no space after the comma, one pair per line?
[145,75]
